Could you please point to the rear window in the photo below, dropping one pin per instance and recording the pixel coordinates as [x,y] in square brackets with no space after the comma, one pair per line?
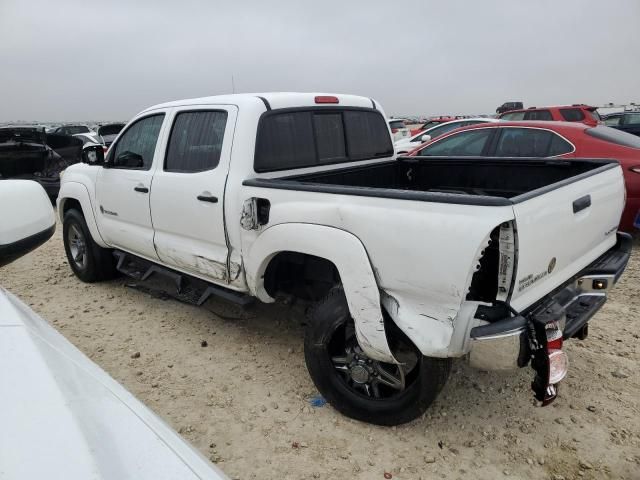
[572,114]
[308,138]
[615,136]
[397,124]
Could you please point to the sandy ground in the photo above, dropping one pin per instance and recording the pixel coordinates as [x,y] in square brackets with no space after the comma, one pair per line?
[243,400]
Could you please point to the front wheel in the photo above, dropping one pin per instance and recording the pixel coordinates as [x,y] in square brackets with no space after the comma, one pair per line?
[87,259]
[362,388]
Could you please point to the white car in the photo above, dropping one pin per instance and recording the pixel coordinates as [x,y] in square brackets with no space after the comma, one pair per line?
[407,263]
[405,145]
[62,416]
[398,129]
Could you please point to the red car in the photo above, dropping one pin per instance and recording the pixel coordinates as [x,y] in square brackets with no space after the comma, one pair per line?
[547,139]
[563,113]
[432,122]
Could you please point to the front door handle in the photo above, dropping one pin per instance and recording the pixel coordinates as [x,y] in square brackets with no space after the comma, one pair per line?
[141,189]
[581,203]
[207,198]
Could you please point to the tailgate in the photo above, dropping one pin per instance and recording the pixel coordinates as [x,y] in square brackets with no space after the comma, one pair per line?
[564,229]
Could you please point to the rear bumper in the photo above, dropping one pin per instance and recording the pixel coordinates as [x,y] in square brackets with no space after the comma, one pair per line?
[504,344]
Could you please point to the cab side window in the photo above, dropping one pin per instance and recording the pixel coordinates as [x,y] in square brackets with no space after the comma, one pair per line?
[136,146]
[195,143]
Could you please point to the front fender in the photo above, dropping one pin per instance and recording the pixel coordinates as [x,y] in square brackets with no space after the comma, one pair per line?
[349,256]
[78,191]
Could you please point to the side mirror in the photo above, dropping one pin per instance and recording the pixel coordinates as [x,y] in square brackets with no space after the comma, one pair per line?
[27,218]
[129,160]
[93,155]
[425,138]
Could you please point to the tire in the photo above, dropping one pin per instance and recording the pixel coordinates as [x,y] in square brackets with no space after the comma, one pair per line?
[89,261]
[422,383]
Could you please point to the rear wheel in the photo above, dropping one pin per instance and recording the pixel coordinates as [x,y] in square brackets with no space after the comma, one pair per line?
[363,388]
[89,261]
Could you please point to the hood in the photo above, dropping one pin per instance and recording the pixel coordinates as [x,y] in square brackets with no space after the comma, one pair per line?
[63,416]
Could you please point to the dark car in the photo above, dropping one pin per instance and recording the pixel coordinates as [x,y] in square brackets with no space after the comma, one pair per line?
[506,106]
[72,129]
[626,121]
[109,132]
[30,153]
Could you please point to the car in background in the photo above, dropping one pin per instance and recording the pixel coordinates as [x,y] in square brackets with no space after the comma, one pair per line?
[432,122]
[29,153]
[109,132]
[405,145]
[71,130]
[62,416]
[398,129]
[507,106]
[626,121]
[564,113]
[548,139]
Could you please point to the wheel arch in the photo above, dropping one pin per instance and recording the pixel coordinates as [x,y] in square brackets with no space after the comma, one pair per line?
[74,194]
[347,253]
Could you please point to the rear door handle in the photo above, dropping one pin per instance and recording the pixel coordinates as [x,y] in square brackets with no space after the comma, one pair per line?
[141,189]
[208,198]
[581,203]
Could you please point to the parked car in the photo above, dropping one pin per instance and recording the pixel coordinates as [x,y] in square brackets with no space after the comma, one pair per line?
[56,403]
[405,145]
[407,263]
[432,122]
[626,121]
[109,132]
[398,129]
[566,113]
[30,153]
[507,106]
[548,139]
[72,129]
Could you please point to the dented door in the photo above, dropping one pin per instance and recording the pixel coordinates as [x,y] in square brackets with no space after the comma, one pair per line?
[187,199]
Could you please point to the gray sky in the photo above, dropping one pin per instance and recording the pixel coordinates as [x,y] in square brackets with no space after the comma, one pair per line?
[108,59]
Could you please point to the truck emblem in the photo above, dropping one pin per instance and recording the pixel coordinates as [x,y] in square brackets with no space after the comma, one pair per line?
[552,265]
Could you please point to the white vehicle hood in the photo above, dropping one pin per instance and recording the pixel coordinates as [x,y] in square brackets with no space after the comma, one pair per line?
[63,417]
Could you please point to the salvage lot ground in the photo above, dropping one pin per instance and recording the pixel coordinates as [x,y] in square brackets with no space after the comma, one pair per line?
[243,399]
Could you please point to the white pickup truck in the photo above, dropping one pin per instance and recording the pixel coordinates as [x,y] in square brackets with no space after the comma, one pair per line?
[408,262]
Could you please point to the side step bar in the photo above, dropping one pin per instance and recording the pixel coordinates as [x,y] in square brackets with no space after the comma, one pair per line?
[188,289]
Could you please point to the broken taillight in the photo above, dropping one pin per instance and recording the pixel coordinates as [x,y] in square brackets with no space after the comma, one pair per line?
[549,361]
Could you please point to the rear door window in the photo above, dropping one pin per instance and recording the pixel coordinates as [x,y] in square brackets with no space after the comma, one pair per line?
[308,138]
[613,121]
[530,142]
[195,143]
[538,115]
[631,119]
[468,143]
[572,114]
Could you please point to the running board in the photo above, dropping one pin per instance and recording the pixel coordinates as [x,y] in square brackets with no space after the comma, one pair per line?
[188,289]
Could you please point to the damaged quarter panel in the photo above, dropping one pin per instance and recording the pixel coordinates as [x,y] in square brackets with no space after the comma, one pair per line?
[423,258]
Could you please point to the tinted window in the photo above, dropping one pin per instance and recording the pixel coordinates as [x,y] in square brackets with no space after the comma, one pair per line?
[538,115]
[613,121]
[329,132]
[469,143]
[530,142]
[367,135]
[612,135]
[196,141]
[397,124]
[308,138]
[513,116]
[572,114]
[631,119]
[136,146]
[110,129]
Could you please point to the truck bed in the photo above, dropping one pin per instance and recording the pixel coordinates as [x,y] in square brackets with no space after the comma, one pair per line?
[469,180]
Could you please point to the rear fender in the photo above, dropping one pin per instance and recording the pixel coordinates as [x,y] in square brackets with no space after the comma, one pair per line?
[349,256]
[78,191]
